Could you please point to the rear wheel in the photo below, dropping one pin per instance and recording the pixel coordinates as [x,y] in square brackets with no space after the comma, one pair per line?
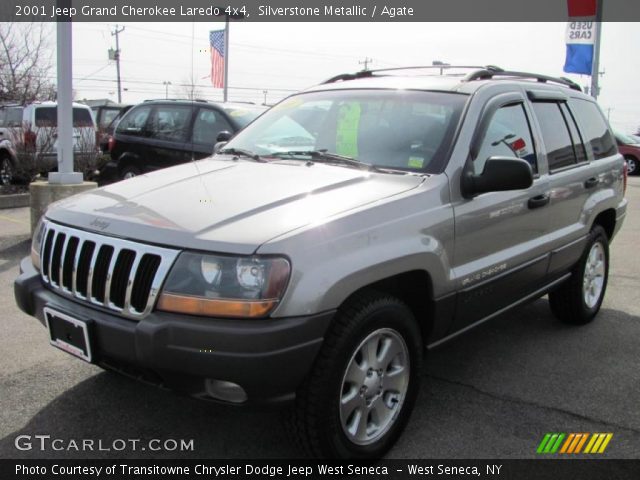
[7,172]
[360,393]
[632,165]
[579,299]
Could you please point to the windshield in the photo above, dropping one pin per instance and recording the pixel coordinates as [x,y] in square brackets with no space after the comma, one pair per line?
[399,129]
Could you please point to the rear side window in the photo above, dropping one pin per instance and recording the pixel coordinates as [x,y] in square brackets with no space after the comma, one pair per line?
[508,135]
[555,134]
[593,126]
[170,122]
[134,121]
[48,117]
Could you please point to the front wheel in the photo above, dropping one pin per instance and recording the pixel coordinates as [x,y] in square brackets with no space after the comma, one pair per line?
[129,171]
[360,393]
[579,299]
[632,166]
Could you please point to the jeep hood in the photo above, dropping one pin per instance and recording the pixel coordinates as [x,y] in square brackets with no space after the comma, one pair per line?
[226,205]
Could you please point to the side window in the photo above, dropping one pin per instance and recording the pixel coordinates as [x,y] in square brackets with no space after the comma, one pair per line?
[578,146]
[555,135]
[14,117]
[134,121]
[170,122]
[208,125]
[594,128]
[508,135]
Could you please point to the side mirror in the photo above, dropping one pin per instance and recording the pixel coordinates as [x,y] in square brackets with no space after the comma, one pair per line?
[224,136]
[218,146]
[499,174]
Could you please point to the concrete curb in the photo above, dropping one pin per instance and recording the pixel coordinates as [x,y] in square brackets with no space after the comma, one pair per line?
[14,200]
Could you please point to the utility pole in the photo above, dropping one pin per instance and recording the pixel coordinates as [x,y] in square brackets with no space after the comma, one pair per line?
[595,69]
[226,59]
[366,63]
[117,57]
[265,96]
[166,89]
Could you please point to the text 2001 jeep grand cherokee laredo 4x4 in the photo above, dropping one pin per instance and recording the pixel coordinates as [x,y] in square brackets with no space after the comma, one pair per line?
[319,252]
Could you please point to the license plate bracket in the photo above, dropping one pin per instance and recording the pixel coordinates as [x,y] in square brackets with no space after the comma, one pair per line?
[69,334]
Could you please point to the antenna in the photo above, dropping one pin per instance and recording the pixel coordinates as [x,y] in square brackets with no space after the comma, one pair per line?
[366,63]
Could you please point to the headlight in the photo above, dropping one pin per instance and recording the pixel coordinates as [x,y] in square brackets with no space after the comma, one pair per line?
[226,286]
[36,244]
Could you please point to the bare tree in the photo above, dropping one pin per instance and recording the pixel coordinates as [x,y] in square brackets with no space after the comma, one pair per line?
[25,62]
[189,89]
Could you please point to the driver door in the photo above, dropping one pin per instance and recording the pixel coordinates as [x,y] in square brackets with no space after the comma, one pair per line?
[499,255]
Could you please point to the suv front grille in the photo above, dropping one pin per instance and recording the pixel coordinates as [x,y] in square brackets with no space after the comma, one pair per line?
[117,274]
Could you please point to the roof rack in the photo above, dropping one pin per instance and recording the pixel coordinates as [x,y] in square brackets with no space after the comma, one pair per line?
[175,100]
[480,73]
[370,73]
[488,73]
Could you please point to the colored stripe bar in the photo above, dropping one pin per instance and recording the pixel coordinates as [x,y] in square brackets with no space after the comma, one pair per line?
[605,443]
[576,439]
[555,448]
[550,443]
[543,443]
[590,444]
[581,442]
[567,442]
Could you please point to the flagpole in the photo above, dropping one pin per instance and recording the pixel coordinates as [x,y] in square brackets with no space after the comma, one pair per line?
[595,69]
[226,58]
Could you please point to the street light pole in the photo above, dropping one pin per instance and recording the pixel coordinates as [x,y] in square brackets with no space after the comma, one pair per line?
[166,89]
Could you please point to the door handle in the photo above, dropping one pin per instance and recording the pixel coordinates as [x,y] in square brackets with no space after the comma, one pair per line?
[538,201]
[591,182]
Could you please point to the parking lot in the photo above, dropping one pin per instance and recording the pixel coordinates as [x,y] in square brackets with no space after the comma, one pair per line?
[492,393]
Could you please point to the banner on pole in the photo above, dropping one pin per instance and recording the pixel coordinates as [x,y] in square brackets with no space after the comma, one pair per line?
[580,36]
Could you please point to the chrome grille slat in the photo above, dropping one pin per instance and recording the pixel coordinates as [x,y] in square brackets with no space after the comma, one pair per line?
[54,239]
[86,265]
[92,266]
[74,270]
[65,245]
[132,275]
[107,283]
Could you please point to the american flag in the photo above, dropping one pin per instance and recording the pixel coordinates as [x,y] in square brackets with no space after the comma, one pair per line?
[216,41]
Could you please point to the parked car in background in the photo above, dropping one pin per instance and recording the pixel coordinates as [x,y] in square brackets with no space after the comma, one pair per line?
[629,146]
[107,131]
[30,140]
[160,133]
[10,117]
[104,116]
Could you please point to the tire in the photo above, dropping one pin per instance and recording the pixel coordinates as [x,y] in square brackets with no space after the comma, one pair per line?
[7,172]
[578,300]
[633,167]
[333,405]
[129,171]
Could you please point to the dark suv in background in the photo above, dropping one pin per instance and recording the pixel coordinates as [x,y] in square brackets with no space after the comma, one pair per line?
[161,133]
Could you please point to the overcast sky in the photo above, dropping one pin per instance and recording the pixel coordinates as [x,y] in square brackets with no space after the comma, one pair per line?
[283,57]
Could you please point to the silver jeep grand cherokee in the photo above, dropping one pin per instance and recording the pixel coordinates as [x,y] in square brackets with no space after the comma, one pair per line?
[318,253]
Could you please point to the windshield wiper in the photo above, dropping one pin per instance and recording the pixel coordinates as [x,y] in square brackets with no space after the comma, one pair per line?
[241,152]
[326,157]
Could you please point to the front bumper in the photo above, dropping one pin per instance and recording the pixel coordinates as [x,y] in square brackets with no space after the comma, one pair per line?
[268,358]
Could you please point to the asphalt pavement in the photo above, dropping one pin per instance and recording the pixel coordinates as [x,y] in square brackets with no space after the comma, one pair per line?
[491,393]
